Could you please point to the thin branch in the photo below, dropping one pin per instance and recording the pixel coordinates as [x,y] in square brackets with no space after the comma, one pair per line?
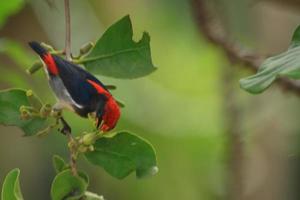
[66,130]
[232,50]
[68,30]
[232,113]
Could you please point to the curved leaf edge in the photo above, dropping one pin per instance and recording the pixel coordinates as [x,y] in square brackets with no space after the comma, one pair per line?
[151,171]
[15,174]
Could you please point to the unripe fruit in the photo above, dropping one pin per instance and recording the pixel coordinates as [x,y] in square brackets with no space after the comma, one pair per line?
[86,48]
[82,149]
[35,67]
[33,100]
[25,115]
[47,46]
[91,148]
[88,139]
[46,110]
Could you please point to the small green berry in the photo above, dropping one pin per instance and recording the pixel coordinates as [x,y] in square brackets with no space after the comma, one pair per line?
[88,139]
[34,101]
[86,48]
[46,110]
[35,67]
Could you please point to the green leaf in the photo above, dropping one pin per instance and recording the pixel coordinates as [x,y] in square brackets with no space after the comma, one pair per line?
[122,154]
[120,103]
[286,64]
[117,55]
[11,186]
[59,163]
[296,37]
[8,8]
[92,196]
[85,177]
[65,186]
[10,103]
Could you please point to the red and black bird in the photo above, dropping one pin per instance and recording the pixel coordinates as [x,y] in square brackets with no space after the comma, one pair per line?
[78,90]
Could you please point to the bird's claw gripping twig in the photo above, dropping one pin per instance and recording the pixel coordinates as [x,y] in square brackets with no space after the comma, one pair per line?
[66,129]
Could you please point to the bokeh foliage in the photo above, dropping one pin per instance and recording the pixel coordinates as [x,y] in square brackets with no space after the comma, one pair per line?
[186,96]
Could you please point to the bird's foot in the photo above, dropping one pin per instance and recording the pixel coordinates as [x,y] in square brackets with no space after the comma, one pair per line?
[66,129]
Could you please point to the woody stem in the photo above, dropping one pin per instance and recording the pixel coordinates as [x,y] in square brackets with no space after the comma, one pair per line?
[68,30]
[66,130]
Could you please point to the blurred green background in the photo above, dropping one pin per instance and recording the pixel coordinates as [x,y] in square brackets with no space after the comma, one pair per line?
[212,139]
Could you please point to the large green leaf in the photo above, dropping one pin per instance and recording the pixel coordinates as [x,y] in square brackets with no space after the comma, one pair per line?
[10,103]
[65,186]
[122,154]
[117,55]
[8,8]
[11,186]
[286,64]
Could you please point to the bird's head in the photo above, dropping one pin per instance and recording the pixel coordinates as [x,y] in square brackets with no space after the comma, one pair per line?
[110,115]
[107,117]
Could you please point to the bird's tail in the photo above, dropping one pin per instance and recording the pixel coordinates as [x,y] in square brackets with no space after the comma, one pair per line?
[41,51]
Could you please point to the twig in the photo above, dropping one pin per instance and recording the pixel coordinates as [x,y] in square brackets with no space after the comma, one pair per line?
[66,130]
[68,30]
[233,51]
[232,113]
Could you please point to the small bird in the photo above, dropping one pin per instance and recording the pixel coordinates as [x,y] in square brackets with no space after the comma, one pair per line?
[78,90]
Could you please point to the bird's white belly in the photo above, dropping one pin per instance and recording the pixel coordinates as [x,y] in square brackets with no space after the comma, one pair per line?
[63,96]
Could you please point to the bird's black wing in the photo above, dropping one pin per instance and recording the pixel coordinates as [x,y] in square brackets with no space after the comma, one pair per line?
[75,81]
